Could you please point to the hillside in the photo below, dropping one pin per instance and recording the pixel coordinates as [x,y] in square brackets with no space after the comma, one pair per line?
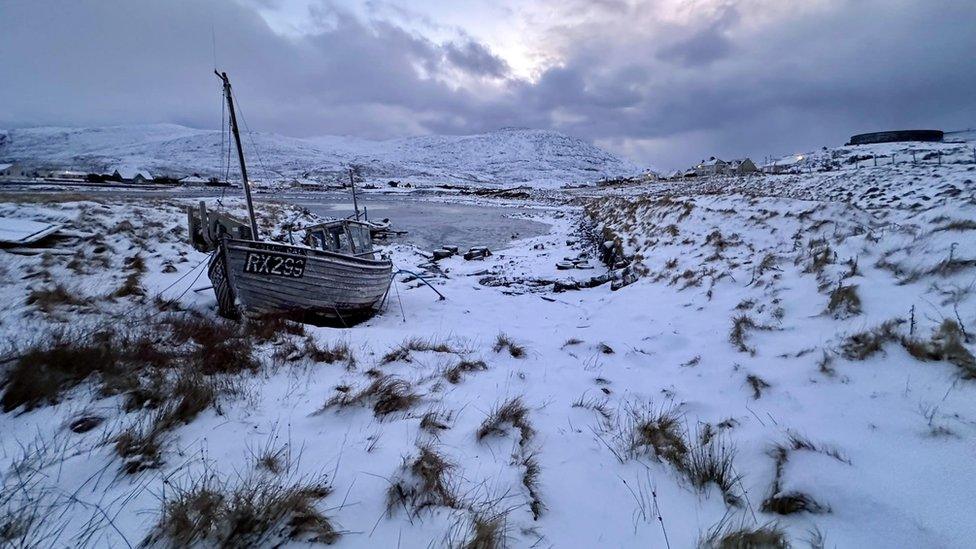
[773,361]
[503,157]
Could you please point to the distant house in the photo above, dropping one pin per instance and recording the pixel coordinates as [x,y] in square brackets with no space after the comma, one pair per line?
[195,180]
[742,166]
[787,164]
[130,175]
[690,172]
[68,175]
[648,177]
[712,166]
[13,170]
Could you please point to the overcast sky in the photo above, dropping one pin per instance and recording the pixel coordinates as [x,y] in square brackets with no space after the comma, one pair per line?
[664,82]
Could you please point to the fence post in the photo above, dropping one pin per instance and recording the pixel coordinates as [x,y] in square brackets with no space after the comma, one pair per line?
[913,157]
[940,158]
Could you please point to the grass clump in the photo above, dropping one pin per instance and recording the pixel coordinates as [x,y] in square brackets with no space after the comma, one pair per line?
[723,536]
[385,394]
[401,353]
[513,412]
[788,502]
[503,342]
[54,364]
[844,302]
[435,420]
[659,432]
[703,460]
[424,482]
[530,479]
[258,511]
[741,326]
[946,343]
[48,299]
[757,384]
[863,345]
[456,372]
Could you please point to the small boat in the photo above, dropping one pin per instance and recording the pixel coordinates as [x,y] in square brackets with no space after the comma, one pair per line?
[331,275]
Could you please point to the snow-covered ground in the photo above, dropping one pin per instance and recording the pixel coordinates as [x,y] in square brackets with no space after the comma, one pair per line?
[791,358]
[501,158]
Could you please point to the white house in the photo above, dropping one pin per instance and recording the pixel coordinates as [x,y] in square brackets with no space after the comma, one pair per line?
[132,175]
[13,170]
[742,166]
[787,164]
[196,180]
[712,166]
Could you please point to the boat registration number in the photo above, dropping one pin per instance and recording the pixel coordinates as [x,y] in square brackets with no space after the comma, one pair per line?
[274,265]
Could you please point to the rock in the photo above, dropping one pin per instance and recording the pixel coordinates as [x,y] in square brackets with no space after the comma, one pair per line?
[565,265]
[477,253]
[442,254]
[565,286]
[169,268]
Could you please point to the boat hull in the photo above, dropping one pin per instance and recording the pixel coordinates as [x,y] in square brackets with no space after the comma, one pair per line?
[260,278]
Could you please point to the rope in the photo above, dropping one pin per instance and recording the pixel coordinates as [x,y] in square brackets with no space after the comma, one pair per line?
[422,279]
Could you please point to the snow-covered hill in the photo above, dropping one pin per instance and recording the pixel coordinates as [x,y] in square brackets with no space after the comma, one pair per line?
[503,157]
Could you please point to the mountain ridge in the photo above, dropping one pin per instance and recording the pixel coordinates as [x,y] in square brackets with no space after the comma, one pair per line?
[507,156]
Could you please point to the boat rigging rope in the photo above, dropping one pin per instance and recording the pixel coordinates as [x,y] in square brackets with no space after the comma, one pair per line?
[420,278]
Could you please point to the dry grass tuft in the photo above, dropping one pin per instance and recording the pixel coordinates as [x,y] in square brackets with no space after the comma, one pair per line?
[487,532]
[790,502]
[513,412]
[424,482]
[530,479]
[865,344]
[844,302]
[710,461]
[600,406]
[455,373]
[571,341]
[758,385]
[741,326]
[435,420]
[958,225]
[723,536]
[401,353]
[271,327]
[337,352]
[387,394]
[48,299]
[503,342]
[703,460]
[258,511]
[946,343]
[825,365]
[659,432]
[55,364]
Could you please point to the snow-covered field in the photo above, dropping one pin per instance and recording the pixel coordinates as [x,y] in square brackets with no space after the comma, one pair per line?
[790,364]
[504,157]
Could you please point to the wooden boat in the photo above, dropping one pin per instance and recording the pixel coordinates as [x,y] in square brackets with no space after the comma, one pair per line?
[333,274]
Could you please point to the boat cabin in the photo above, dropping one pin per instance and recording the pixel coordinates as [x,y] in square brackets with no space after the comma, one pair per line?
[342,236]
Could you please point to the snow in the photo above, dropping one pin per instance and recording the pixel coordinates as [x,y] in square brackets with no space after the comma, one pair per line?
[891,436]
[500,158]
[24,231]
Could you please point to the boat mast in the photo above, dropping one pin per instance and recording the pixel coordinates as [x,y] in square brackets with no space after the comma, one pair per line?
[240,153]
[355,204]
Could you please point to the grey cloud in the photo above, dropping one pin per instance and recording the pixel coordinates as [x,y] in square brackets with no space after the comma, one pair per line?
[476,59]
[668,93]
